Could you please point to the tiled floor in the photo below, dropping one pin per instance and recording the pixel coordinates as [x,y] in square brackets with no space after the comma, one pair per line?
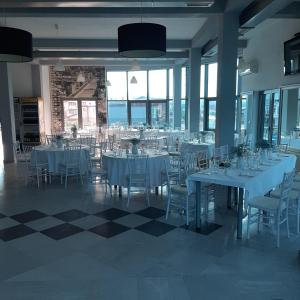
[77,244]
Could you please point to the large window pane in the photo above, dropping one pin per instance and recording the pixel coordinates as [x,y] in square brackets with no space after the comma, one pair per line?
[117,113]
[212,80]
[88,114]
[158,84]
[158,114]
[138,114]
[70,114]
[171,86]
[183,82]
[201,125]
[118,86]
[212,115]
[171,113]
[183,114]
[202,81]
[137,91]
[244,107]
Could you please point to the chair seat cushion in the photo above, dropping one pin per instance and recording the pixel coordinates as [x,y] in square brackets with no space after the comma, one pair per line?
[265,203]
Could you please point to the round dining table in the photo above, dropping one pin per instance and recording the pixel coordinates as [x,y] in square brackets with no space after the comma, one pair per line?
[54,156]
[117,167]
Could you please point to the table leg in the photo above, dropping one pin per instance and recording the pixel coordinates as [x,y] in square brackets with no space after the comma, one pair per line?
[198,205]
[156,190]
[115,186]
[240,208]
[120,191]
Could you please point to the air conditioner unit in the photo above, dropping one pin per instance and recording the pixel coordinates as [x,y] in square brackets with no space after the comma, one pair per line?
[246,68]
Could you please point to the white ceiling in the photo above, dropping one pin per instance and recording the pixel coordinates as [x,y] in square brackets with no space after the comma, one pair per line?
[101,28]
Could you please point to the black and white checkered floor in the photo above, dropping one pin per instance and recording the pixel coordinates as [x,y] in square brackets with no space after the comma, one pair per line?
[77,244]
[107,223]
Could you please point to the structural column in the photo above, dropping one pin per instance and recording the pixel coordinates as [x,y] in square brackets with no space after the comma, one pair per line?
[227,65]
[177,95]
[194,90]
[7,117]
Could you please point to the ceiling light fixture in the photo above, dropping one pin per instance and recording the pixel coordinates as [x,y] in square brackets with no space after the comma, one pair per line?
[142,40]
[135,66]
[80,77]
[16,45]
[59,67]
[133,80]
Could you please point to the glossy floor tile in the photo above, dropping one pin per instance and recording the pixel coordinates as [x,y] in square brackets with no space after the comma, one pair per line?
[79,244]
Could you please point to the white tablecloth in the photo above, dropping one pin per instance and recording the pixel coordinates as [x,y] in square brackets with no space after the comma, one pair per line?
[256,184]
[194,147]
[117,168]
[54,156]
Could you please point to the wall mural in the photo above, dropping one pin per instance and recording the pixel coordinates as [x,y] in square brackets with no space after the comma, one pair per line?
[78,97]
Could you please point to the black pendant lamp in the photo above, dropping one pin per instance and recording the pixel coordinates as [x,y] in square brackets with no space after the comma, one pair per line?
[142,40]
[16,45]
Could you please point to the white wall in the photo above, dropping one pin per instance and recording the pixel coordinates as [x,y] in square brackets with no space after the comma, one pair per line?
[21,75]
[265,44]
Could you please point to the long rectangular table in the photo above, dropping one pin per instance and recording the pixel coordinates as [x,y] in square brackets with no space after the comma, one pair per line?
[257,183]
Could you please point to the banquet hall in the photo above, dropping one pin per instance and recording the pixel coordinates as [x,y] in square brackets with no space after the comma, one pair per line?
[149,149]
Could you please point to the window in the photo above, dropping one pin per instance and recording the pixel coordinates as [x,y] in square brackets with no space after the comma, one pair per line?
[171,113]
[138,114]
[171,86]
[244,108]
[137,91]
[201,125]
[158,114]
[145,101]
[88,109]
[157,84]
[212,115]
[202,81]
[183,82]
[117,113]
[208,94]
[70,114]
[117,79]
[212,80]
[183,111]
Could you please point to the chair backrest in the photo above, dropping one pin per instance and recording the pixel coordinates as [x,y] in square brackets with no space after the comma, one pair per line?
[87,140]
[283,148]
[221,153]
[72,155]
[202,160]
[137,165]
[50,139]
[286,187]
[189,163]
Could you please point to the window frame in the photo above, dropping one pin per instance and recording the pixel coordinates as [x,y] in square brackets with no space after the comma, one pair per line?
[79,108]
[147,101]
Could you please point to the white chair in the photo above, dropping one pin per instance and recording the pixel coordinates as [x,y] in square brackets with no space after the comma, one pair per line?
[98,172]
[165,178]
[181,197]
[71,165]
[35,169]
[137,167]
[272,209]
